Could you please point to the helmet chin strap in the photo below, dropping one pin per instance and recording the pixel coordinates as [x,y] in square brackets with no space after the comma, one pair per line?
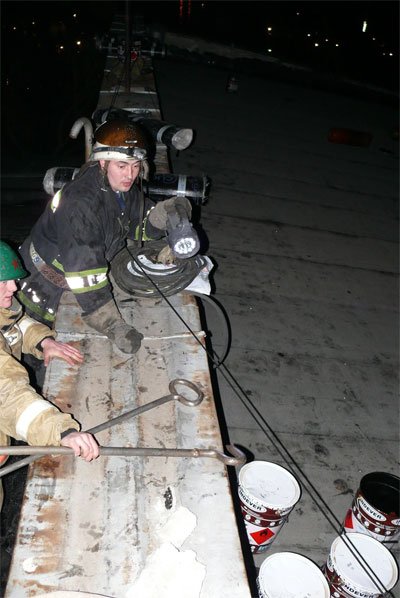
[104,176]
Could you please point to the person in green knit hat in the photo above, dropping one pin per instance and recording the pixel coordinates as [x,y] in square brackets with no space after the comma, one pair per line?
[24,414]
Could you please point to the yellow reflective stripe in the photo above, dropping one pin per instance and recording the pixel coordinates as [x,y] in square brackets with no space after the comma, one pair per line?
[145,237]
[90,280]
[84,273]
[92,288]
[29,415]
[45,315]
[57,264]
[55,201]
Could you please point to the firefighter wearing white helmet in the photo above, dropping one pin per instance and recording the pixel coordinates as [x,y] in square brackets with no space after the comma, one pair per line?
[86,224]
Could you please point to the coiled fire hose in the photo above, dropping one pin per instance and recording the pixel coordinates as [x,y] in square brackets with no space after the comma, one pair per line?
[129,271]
[139,279]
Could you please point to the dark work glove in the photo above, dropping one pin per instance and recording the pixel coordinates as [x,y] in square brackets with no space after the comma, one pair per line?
[126,338]
[158,215]
[109,321]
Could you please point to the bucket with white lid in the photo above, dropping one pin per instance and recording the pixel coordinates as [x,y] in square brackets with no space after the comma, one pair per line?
[267,494]
[359,566]
[291,575]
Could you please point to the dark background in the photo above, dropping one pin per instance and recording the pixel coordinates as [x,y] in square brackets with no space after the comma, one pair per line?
[45,88]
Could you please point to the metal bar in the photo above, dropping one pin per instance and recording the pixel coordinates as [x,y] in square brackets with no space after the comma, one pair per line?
[174,396]
[238,457]
[120,418]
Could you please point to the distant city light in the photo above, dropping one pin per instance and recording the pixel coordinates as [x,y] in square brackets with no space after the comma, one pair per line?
[33,22]
[269,49]
[61,47]
[74,15]
[364,27]
[337,45]
[298,14]
[269,28]
[14,29]
[316,44]
[390,53]
[374,39]
[78,43]
[326,39]
[308,34]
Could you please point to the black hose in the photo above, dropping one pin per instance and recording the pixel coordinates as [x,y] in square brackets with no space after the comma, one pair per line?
[141,280]
[132,275]
[226,334]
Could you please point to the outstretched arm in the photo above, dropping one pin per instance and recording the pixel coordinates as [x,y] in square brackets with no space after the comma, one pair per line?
[52,348]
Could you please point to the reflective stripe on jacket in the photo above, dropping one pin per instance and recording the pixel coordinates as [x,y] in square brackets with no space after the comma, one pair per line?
[24,414]
[78,235]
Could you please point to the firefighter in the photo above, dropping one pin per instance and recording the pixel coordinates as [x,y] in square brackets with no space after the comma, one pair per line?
[86,224]
[24,414]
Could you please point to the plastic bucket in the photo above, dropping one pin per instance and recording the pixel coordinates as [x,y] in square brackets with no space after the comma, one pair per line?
[291,575]
[375,508]
[349,578]
[267,493]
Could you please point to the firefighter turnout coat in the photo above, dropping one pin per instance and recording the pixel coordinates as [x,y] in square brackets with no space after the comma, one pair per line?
[72,244]
[24,414]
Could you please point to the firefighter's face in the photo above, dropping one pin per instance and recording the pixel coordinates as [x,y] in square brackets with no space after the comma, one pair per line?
[7,290]
[121,175]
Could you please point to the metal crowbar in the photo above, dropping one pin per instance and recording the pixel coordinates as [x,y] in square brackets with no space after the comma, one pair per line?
[238,457]
[173,396]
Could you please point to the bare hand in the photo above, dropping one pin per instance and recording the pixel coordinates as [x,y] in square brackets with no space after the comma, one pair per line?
[52,348]
[83,445]
[166,256]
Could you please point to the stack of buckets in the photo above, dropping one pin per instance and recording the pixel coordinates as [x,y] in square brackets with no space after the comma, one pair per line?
[359,564]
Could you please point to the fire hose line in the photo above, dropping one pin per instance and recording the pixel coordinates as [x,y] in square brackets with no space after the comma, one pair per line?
[130,274]
[149,282]
[280,447]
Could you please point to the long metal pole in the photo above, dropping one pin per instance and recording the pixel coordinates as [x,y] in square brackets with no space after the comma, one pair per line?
[191,402]
[236,457]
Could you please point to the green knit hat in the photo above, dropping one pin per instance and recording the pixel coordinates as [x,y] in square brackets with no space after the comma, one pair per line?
[10,264]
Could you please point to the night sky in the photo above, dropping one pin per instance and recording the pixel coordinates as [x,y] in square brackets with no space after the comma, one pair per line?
[48,80]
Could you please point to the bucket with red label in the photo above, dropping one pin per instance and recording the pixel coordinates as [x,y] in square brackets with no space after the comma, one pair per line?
[288,574]
[359,566]
[267,494]
[376,507]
